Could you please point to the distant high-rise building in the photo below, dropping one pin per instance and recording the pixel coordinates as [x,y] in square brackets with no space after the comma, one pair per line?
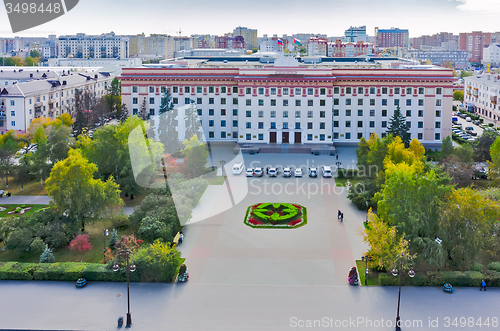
[106,45]
[491,55]
[435,40]
[183,43]
[250,36]
[317,46]
[393,37]
[237,42]
[355,34]
[474,42]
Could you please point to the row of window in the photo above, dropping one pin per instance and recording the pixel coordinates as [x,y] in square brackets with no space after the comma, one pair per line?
[272,113]
[348,112]
[420,125]
[384,102]
[347,135]
[260,125]
[287,91]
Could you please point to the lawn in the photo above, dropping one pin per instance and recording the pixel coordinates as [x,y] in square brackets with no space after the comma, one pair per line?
[95,230]
[7,210]
[30,188]
[372,275]
[342,182]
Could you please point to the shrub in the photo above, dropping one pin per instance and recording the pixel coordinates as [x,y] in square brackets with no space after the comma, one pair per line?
[120,222]
[476,267]
[494,266]
[152,228]
[158,262]
[390,280]
[37,246]
[47,256]
[347,173]
[419,280]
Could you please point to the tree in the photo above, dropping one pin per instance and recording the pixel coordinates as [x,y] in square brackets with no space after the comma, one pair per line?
[37,246]
[143,111]
[458,95]
[167,132]
[113,99]
[47,256]
[196,156]
[30,62]
[65,119]
[22,174]
[81,244]
[397,127]
[166,102]
[153,228]
[81,121]
[482,146]
[76,193]
[459,165]
[192,125]
[59,143]
[447,146]
[113,239]
[157,262]
[35,54]
[123,113]
[9,145]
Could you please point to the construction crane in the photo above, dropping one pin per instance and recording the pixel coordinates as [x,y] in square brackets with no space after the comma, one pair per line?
[376,41]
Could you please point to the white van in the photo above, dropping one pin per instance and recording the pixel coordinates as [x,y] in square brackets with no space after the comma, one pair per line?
[238,168]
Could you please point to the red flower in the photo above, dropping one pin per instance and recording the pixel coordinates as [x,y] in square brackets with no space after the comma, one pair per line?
[292,223]
[254,221]
[297,206]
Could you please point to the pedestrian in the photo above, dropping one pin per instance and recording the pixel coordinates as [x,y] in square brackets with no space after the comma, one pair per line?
[338,214]
[337,156]
[483,285]
[341,217]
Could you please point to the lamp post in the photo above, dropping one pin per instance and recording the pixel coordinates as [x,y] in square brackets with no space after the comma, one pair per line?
[407,259]
[129,268]
[366,211]
[366,258]
[106,233]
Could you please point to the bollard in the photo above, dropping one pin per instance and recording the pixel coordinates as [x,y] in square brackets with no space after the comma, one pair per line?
[120,322]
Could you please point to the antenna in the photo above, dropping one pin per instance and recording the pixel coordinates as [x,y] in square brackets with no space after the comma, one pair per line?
[179,32]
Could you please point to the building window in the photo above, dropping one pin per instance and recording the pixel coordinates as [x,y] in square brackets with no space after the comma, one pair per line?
[309,136]
[249,136]
[210,112]
[298,91]
[135,101]
[223,134]
[285,102]
[261,102]
[347,112]
[285,125]
[222,89]
[261,136]
[360,124]
[420,90]
[335,112]
[309,114]
[235,134]
[384,90]
[335,124]
[235,123]
[372,90]
[420,136]
[309,125]
[211,101]
[396,102]
[285,90]
[235,112]
[360,135]
[261,113]
[408,90]
[211,89]
[152,89]
[360,90]
[347,135]
[321,125]
[261,90]
[438,102]
[249,113]
[248,90]
[297,114]
[235,101]
[408,102]
[310,91]
[199,101]
[322,102]
[397,90]
[152,111]
[372,112]
[285,113]
[223,123]
[297,103]
[372,124]
[348,102]
[310,103]
[420,113]
[384,124]
[439,90]
[260,125]
[273,90]
[273,113]
[408,124]
[420,102]
[223,101]
[12,113]
[360,102]
[273,125]
[248,125]
[210,122]
[336,90]
[186,101]
[408,112]
[384,102]
[322,91]
[437,136]
[135,111]
[175,101]
[347,124]
[438,125]
[335,102]
[297,125]
[335,135]
[372,102]
[235,89]
[134,89]
[420,125]
[249,102]
[322,137]
[360,112]
[273,102]
[348,90]
[199,89]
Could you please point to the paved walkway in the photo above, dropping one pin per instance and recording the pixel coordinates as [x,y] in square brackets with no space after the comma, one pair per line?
[25,199]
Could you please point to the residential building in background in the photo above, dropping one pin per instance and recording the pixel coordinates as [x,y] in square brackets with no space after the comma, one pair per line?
[491,55]
[349,49]
[250,36]
[436,40]
[14,75]
[49,97]
[355,34]
[317,47]
[474,42]
[182,44]
[296,103]
[481,95]
[237,42]
[393,37]
[104,65]
[106,45]
[458,59]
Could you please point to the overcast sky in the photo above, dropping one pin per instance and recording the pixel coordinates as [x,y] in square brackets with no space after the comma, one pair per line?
[270,17]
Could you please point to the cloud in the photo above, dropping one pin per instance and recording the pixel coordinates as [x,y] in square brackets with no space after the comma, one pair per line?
[485,7]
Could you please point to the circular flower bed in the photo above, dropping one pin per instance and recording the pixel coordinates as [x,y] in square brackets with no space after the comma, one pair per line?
[276,215]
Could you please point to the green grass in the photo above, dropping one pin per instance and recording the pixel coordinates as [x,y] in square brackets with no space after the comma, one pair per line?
[136,201]
[30,188]
[342,182]
[216,180]
[372,275]
[10,208]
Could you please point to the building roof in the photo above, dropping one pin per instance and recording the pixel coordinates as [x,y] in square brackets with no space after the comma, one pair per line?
[490,79]
[20,74]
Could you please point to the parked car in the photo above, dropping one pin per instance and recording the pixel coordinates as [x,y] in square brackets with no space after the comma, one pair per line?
[468,119]
[258,172]
[327,172]
[287,172]
[238,168]
[472,133]
[464,116]
[469,128]
[249,172]
[298,172]
[313,172]
[272,172]
[476,122]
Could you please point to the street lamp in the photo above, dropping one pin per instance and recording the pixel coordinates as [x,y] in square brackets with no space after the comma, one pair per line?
[106,233]
[366,258]
[406,258]
[366,211]
[129,268]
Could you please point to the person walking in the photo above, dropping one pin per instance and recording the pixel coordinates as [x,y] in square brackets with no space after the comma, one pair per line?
[338,215]
[337,156]
[341,217]
[483,285]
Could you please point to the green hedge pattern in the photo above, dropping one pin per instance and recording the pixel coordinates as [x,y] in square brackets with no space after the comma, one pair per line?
[438,278]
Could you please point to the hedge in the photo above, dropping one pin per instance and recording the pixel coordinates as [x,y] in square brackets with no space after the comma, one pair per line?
[63,271]
[438,278]
[347,173]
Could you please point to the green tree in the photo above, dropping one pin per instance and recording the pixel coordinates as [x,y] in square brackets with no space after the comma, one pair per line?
[166,103]
[38,160]
[157,262]
[76,193]
[482,146]
[9,145]
[458,95]
[35,54]
[47,256]
[37,246]
[494,165]
[397,127]
[143,110]
[192,125]
[30,62]
[447,147]
[113,99]
[196,156]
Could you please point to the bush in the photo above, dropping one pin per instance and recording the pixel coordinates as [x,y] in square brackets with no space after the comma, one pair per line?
[37,246]
[390,280]
[158,262]
[120,222]
[347,173]
[152,228]
[47,256]
[494,266]
[419,280]
[476,267]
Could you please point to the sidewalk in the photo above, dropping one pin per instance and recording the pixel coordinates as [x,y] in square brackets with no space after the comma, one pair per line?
[25,199]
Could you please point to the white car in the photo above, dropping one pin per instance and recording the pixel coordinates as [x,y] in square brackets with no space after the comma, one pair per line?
[327,172]
[272,172]
[313,172]
[238,168]
[298,172]
[258,172]
[287,172]
[249,172]
[468,119]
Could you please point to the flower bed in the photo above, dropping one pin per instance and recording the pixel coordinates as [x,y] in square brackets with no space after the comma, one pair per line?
[276,215]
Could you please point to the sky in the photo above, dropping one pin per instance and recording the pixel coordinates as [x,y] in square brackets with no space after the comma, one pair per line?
[270,17]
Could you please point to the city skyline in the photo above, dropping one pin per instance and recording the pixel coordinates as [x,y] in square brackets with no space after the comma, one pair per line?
[422,17]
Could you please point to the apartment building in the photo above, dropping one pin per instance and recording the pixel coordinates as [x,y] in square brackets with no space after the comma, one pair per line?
[355,34]
[302,104]
[474,42]
[491,55]
[317,47]
[481,95]
[250,36]
[21,103]
[106,45]
[393,37]
[349,49]
[459,59]
[14,75]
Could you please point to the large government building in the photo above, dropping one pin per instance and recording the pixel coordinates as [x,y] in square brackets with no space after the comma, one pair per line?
[298,103]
